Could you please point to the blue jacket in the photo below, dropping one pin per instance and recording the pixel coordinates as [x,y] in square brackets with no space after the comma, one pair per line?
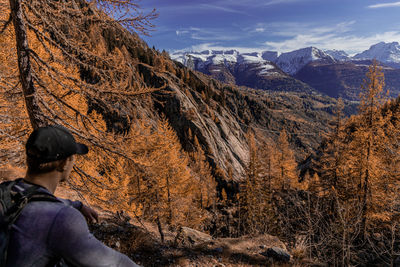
[47,231]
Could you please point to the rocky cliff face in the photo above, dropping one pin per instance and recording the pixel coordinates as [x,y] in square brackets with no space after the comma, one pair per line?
[219,115]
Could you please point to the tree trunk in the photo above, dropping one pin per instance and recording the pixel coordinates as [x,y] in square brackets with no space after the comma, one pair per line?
[169,218]
[160,230]
[24,65]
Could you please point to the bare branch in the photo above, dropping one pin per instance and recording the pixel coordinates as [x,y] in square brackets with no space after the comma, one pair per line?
[6,24]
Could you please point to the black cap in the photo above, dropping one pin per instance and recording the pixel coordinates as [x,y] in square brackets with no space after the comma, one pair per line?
[51,143]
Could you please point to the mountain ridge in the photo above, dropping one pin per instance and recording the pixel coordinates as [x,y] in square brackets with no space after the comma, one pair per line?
[304,70]
[387,53]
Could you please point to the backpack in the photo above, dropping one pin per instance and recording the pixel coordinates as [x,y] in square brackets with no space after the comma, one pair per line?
[11,204]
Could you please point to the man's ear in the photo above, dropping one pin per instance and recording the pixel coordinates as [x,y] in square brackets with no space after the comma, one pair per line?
[61,165]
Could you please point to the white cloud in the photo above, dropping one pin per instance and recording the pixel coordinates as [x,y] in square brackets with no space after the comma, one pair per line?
[276,2]
[395,4]
[291,29]
[208,34]
[350,43]
[289,36]
[179,32]
[197,7]
[256,3]
[221,8]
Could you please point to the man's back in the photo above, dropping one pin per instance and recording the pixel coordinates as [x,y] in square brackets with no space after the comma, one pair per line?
[47,231]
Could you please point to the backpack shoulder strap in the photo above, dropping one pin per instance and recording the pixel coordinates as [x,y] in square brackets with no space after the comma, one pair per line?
[22,196]
[6,199]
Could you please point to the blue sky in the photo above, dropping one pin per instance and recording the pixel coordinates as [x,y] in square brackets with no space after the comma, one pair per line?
[276,25]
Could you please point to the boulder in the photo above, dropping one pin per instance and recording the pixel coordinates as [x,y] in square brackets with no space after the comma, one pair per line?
[277,254]
[191,237]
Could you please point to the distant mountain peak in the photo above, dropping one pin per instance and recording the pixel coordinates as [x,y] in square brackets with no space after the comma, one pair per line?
[337,54]
[292,62]
[388,53]
[289,62]
[200,60]
[270,55]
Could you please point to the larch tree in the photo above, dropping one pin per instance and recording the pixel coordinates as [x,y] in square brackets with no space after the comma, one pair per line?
[67,62]
[286,163]
[368,141]
[168,187]
[160,188]
[338,187]
[206,188]
[269,184]
[249,190]
[54,39]
[335,171]
[255,199]
[11,104]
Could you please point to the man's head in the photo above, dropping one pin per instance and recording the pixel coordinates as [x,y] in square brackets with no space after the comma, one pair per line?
[51,149]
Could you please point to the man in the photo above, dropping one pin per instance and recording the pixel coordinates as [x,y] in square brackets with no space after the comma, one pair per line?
[47,232]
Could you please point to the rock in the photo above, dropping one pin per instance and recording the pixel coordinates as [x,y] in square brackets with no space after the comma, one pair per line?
[192,237]
[277,254]
[223,141]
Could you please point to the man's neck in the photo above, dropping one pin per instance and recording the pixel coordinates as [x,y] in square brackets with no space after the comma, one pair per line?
[48,180]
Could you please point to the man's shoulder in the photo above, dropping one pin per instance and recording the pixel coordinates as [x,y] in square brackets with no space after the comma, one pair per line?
[39,217]
[44,212]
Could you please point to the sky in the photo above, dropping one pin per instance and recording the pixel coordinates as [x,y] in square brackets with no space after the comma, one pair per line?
[275,25]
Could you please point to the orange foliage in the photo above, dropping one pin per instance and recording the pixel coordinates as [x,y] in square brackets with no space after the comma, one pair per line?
[143,171]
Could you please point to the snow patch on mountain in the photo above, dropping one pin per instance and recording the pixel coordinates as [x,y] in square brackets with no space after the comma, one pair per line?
[388,53]
[200,60]
[292,62]
[266,69]
[251,58]
[338,54]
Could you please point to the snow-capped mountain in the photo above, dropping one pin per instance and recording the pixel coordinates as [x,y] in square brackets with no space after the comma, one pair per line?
[292,62]
[197,60]
[388,53]
[201,60]
[338,54]
[331,72]
[255,69]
